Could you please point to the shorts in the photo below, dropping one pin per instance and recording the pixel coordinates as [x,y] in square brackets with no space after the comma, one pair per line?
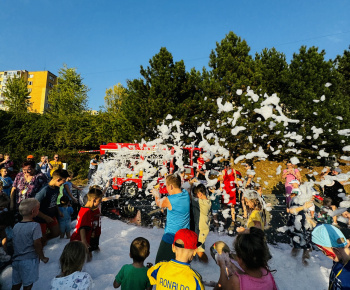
[65,226]
[45,226]
[25,272]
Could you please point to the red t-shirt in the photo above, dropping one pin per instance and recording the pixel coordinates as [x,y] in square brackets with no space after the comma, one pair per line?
[84,221]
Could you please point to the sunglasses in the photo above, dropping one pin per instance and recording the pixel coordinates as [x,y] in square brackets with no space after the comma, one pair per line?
[56,157]
[326,252]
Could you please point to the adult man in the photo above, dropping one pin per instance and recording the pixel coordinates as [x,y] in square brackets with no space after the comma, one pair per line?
[56,164]
[93,166]
[177,204]
[331,241]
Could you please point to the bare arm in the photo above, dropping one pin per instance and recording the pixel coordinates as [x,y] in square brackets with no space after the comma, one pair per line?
[83,238]
[12,198]
[66,187]
[45,217]
[39,250]
[163,202]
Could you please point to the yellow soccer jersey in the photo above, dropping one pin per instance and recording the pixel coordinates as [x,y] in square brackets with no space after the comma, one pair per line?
[174,275]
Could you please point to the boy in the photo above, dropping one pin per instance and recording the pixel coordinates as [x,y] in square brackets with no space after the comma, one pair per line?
[84,226]
[27,247]
[65,220]
[332,242]
[201,207]
[178,272]
[47,197]
[134,276]
[177,204]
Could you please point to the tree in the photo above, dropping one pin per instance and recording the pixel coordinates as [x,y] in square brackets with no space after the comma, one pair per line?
[69,96]
[342,64]
[114,98]
[16,95]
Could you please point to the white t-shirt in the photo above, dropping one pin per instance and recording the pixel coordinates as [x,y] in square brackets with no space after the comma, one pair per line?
[77,280]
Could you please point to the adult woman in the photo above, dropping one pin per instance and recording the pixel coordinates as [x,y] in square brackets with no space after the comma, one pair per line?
[26,184]
[290,174]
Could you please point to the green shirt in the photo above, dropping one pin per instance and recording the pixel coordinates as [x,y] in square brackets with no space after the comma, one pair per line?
[133,278]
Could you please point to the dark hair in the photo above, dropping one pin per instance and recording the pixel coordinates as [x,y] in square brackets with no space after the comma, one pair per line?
[73,257]
[139,249]
[173,179]
[30,163]
[60,173]
[199,188]
[327,201]
[64,200]
[252,249]
[95,191]
[249,163]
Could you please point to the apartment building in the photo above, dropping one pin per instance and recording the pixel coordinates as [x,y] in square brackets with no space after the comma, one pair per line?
[39,83]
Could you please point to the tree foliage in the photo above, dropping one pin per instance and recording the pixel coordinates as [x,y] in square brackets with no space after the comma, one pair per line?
[16,95]
[69,96]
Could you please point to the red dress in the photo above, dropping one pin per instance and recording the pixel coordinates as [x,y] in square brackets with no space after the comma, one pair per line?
[230,185]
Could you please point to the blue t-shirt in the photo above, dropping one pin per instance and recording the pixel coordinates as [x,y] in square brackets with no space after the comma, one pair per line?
[7,184]
[342,282]
[178,217]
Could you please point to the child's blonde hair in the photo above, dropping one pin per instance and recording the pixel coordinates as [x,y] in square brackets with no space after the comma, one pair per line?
[27,205]
[73,257]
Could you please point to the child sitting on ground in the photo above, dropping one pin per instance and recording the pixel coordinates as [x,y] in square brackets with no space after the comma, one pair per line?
[178,271]
[65,220]
[72,261]
[252,256]
[84,226]
[27,246]
[134,276]
[201,207]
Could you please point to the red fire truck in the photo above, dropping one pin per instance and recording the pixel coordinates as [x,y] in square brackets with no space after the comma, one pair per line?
[132,181]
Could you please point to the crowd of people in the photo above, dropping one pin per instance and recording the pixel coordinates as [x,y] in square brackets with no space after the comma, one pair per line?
[37,206]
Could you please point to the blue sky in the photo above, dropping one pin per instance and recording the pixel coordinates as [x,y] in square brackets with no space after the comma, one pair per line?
[107,41]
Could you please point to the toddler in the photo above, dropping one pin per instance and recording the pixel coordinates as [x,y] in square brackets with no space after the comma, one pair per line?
[134,276]
[72,261]
[65,219]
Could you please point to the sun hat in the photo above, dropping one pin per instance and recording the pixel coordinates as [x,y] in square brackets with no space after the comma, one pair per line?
[329,236]
[188,237]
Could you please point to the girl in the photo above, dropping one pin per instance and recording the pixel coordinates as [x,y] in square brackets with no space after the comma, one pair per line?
[248,183]
[251,271]
[257,216]
[290,174]
[72,261]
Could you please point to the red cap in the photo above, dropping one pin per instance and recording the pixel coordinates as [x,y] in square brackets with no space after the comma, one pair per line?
[30,156]
[189,238]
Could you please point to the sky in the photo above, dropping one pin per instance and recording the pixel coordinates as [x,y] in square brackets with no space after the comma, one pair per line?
[107,41]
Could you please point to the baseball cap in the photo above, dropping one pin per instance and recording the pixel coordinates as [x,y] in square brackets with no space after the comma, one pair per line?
[189,238]
[30,156]
[294,181]
[327,235]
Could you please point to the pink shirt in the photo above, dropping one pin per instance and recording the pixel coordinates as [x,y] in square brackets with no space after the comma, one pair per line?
[266,282]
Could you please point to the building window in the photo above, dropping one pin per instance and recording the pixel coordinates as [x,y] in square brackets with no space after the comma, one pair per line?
[29,97]
[30,83]
[30,76]
[51,78]
[50,85]
[30,90]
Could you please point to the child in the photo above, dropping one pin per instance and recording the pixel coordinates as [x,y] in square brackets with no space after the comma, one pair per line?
[201,208]
[66,189]
[323,216]
[27,246]
[65,220]
[6,182]
[178,271]
[252,256]
[257,217]
[134,276]
[84,226]
[72,261]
